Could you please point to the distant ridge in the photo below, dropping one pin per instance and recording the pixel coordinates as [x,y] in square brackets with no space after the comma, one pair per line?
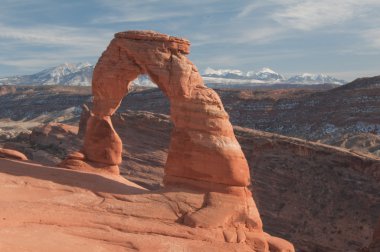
[363,83]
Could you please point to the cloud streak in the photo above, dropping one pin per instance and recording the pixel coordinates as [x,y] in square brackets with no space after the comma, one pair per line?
[55,44]
[149,10]
[372,36]
[309,15]
[50,35]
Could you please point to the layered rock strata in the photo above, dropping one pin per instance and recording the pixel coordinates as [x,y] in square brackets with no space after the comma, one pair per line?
[203,154]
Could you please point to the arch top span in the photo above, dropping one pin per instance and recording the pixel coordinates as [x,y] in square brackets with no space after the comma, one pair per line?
[177,43]
[161,57]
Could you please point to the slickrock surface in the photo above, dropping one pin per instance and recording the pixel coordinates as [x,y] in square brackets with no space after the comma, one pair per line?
[52,209]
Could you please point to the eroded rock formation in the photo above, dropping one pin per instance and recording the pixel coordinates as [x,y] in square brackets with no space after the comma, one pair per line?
[203,154]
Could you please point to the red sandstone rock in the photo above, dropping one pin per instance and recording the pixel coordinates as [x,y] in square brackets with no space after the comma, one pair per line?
[101,142]
[42,135]
[85,115]
[12,154]
[203,154]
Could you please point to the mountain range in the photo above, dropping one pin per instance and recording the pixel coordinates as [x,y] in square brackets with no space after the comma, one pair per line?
[80,74]
[66,74]
[265,76]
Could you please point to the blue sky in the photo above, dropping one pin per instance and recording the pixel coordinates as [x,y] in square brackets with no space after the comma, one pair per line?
[340,37]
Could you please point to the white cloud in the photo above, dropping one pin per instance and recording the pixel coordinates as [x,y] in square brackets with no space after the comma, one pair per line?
[152,10]
[55,44]
[53,35]
[372,36]
[238,36]
[248,9]
[260,35]
[308,15]
[138,16]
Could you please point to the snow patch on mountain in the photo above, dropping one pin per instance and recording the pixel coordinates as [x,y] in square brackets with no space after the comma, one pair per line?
[143,81]
[228,76]
[225,73]
[266,74]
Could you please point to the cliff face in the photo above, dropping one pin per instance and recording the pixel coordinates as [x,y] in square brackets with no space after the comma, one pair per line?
[328,197]
[325,198]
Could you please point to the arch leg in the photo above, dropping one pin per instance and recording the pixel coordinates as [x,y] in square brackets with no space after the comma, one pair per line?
[102,146]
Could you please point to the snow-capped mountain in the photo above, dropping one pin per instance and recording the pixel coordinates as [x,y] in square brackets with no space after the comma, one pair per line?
[307,78]
[224,73]
[81,75]
[264,76]
[143,81]
[66,74]
[228,76]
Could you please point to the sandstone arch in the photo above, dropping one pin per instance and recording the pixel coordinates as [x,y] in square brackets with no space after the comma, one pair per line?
[203,146]
[203,154]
